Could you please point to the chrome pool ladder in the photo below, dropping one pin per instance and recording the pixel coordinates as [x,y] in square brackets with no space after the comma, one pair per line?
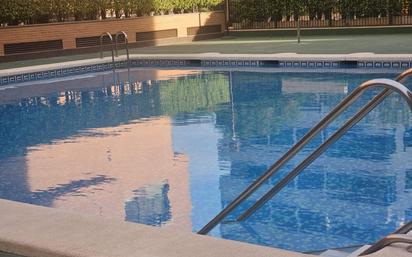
[126,42]
[389,86]
[115,43]
[102,36]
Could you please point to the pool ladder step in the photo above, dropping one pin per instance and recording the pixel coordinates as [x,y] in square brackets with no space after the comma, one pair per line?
[334,253]
[402,235]
[345,252]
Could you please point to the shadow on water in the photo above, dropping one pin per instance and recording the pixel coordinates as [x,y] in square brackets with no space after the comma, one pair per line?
[33,124]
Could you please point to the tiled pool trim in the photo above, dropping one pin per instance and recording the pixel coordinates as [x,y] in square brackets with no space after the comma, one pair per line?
[199,63]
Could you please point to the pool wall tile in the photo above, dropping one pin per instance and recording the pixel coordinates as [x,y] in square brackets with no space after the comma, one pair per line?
[309,64]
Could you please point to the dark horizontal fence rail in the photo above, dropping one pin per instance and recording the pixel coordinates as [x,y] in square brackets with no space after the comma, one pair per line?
[244,14]
[359,22]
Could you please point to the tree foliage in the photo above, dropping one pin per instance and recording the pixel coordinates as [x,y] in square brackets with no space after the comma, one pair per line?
[261,10]
[14,12]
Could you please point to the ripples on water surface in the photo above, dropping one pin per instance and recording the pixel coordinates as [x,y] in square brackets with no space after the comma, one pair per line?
[174,147]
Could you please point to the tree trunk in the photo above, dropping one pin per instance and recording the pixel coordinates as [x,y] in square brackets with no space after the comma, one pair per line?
[103,14]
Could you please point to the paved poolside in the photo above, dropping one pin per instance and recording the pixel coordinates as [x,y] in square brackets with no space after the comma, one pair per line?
[30,230]
[3,254]
[380,44]
[332,44]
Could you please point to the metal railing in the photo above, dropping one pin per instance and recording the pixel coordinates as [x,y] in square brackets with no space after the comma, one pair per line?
[102,36]
[126,42]
[239,24]
[257,15]
[389,87]
[399,236]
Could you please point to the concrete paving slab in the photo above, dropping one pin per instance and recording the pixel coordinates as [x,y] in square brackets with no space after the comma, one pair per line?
[35,231]
[390,43]
[215,56]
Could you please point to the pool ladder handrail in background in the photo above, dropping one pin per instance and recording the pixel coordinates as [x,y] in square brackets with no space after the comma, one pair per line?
[102,36]
[388,85]
[126,42]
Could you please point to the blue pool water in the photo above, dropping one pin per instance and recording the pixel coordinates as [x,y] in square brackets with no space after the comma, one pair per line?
[174,147]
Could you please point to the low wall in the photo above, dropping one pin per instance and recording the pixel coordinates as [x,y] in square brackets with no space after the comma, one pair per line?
[85,34]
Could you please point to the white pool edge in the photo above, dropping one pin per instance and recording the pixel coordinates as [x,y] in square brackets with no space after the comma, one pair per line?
[363,57]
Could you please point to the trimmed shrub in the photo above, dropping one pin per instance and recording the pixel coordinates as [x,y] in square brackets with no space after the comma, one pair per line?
[15,12]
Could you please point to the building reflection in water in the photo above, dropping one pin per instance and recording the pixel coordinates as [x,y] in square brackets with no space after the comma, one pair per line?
[135,156]
[104,151]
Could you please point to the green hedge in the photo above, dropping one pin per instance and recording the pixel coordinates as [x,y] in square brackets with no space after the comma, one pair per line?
[14,12]
[276,10]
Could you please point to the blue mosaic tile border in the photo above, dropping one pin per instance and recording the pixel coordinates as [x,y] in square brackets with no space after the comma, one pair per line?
[385,64]
[55,73]
[158,63]
[230,63]
[65,72]
[309,64]
[73,71]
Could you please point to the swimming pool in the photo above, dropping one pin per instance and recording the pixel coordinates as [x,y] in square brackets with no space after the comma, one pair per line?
[174,147]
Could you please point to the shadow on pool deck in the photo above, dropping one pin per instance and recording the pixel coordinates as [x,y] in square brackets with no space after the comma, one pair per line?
[3,254]
[332,44]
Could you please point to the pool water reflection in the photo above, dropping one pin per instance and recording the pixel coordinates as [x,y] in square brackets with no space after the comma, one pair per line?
[173,151]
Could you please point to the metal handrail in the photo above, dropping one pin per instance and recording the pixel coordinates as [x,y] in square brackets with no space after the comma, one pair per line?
[405,229]
[126,38]
[349,100]
[391,239]
[399,236]
[102,36]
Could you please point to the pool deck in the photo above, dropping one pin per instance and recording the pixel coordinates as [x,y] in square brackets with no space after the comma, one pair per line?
[30,230]
[216,56]
[386,44]
[284,62]
[35,231]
